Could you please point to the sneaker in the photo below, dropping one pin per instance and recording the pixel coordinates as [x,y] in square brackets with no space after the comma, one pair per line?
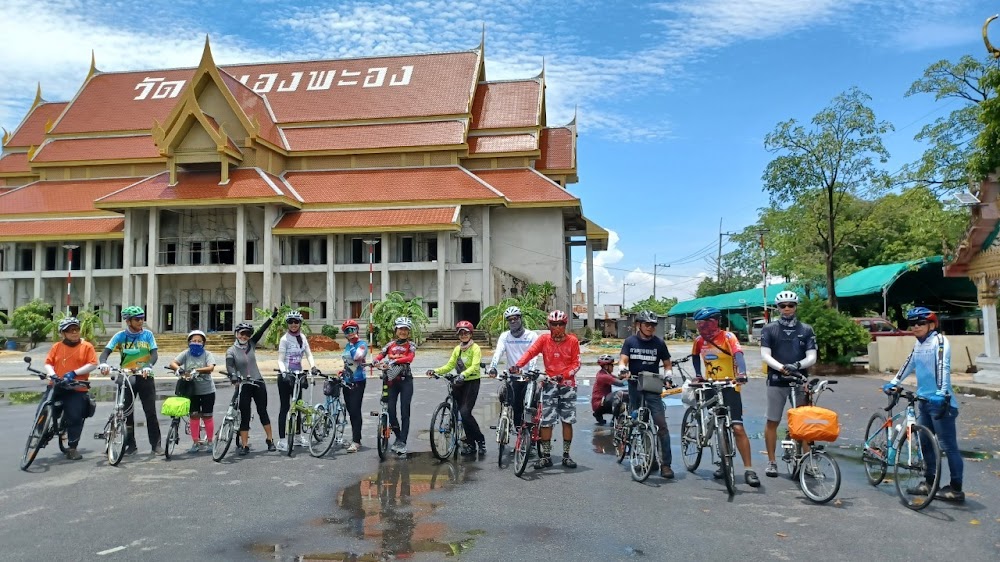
[270,445]
[468,450]
[158,450]
[208,446]
[73,455]
[401,450]
[600,420]
[195,448]
[301,441]
[947,493]
[751,479]
[544,462]
[354,448]
[567,462]
[482,448]
[813,472]
[395,446]
[772,470]
[667,472]
[244,451]
[921,489]
[131,450]
[282,446]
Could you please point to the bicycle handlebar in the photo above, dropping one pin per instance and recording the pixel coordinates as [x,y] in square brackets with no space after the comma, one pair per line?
[677,362]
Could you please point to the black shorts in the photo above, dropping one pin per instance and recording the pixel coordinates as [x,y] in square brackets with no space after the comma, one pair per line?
[733,400]
[203,404]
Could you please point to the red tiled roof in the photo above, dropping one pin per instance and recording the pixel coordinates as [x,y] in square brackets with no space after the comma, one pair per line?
[369,219]
[97,148]
[14,163]
[32,130]
[502,105]
[389,186]
[78,227]
[524,185]
[244,183]
[59,197]
[107,102]
[557,149]
[254,105]
[390,135]
[490,144]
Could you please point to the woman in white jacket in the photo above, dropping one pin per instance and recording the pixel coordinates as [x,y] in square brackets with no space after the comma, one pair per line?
[292,349]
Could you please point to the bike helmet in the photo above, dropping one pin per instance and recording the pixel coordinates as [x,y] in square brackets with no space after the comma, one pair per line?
[294,315]
[605,359]
[557,316]
[511,311]
[786,296]
[197,333]
[647,316]
[463,325]
[403,322]
[707,313]
[65,323]
[921,313]
[349,324]
[130,312]
[243,327]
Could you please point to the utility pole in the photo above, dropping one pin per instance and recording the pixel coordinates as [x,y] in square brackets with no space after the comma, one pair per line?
[624,284]
[718,264]
[656,265]
[763,261]
[69,273]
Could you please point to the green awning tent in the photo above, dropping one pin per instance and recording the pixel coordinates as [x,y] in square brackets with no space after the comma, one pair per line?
[750,298]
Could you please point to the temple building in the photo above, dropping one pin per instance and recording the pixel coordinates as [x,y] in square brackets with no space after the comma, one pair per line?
[203,193]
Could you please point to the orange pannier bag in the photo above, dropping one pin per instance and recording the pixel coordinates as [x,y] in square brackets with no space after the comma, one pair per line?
[812,423]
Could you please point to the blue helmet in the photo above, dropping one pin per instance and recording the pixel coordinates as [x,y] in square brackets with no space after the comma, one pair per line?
[921,313]
[707,313]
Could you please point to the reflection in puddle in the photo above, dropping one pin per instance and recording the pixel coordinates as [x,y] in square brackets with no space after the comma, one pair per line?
[388,509]
[602,442]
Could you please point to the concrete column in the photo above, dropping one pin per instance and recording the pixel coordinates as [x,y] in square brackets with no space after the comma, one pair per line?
[331,281]
[990,331]
[39,262]
[487,298]
[152,260]
[443,312]
[384,266]
[591,321]
[88,273]
[128,245]
[239,307]
[267,294]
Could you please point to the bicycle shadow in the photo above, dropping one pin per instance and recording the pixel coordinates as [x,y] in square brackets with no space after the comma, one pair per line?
[532,475]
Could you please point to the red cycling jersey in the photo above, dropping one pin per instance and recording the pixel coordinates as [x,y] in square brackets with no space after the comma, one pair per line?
[398,353]
[561,358]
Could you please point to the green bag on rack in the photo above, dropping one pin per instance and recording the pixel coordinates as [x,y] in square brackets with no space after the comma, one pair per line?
[176,407]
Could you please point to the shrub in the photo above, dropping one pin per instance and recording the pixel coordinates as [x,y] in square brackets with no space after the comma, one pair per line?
[330,331]
[32,320]
[837,335]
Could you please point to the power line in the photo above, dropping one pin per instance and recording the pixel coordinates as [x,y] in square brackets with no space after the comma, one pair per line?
[581,262]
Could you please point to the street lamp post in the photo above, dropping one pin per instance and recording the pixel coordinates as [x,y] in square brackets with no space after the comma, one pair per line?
[69,273]
[763,261]
[624,284]
[656,265]
[370,242]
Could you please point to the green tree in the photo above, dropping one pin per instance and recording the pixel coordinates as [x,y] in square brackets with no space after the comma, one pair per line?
[660,306]
[838,337]
[277,328]
[32,320]
[91,322]
[985,158]
[395,305]
[944,165]
[825,167]
[539,295]
[492,320]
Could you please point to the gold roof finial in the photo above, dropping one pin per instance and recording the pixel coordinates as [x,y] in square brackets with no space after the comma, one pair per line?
[206,53]
[6,137]
[93,66]
[482,38]
[38,97]
[993,51]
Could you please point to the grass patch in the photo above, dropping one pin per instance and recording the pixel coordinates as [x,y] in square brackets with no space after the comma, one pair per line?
[17,398]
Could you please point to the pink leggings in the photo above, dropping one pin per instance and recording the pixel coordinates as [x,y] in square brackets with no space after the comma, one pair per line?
[196,428]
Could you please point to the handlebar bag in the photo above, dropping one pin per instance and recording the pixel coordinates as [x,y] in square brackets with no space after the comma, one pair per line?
[812,423]
[176,407]
[650,382]
[184,388]
[331,388]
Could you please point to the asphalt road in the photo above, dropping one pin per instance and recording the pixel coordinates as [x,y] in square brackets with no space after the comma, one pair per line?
[351,507]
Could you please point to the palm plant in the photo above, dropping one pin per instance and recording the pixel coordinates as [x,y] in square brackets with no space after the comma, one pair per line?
[393,306]
[493,322]
[91,321]
[277,328]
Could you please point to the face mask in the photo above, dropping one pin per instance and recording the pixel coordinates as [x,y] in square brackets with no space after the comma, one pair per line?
[196,349]
[708,328]
[516,327]
[558,332]
[68,343]
[353,336]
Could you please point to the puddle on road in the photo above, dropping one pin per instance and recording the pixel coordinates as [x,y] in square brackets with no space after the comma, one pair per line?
[602,441]
[389,509]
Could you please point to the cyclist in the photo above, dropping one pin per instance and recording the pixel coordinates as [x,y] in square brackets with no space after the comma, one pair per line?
[601,397]
[643,352]
[137,347]
[465,360]
[786,346]
[395,359]
[292,349]
[354,353]
[511,345]
[561,354]
[75,358]
[723,357]
[930,360]
[200,363]
[241,359]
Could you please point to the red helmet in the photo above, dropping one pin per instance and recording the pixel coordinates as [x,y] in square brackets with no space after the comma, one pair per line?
[463,325]
[557,316]
[348,324]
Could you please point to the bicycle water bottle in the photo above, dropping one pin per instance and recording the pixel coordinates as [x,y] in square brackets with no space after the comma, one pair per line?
[892,454]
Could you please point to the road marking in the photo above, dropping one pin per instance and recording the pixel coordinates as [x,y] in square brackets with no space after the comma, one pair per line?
[110,551]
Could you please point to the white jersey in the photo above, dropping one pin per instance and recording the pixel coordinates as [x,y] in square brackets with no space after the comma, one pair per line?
[514,348]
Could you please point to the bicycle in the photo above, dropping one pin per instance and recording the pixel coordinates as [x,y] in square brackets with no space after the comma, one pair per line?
[698,427]
[173,434]
[887,442]
[383,426]
[528,433]
[115,434]
[300,414]
[331,419]
[505,420]
[445,422]
[230,422]
[47,425]
[813,467]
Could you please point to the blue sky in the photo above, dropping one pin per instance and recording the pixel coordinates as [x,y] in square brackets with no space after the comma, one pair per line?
[673,98]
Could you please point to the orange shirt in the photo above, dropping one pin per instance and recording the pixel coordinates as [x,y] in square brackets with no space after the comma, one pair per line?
[719,363]
[64,359]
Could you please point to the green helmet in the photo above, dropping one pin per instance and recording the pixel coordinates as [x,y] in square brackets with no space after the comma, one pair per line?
[133,312]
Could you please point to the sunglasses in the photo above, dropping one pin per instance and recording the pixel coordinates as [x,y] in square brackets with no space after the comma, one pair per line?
[647,324]
[557,323]
[786,305]
[514,319]
[920,322]
[245,333]
[351,331]
[294,322]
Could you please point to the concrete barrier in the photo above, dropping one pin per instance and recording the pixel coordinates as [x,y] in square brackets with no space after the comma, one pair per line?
[887,353]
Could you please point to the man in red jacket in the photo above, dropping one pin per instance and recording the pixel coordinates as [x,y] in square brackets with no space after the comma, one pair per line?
[561,353]
[602,397]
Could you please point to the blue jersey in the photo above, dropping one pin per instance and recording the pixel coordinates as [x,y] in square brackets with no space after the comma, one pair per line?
[931,362]
[354,354]
[135,349]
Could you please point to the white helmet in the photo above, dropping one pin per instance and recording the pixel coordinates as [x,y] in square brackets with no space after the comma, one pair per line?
[293,315]
[197,333]
[403,322]
[511,311]
[786,296]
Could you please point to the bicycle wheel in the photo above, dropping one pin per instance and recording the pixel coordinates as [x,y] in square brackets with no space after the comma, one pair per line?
[876,447]
[691,440]
[224,438]
[643,450]
[819,476]
[503,437]
[339,426]
[382,440]
[522,444]
[725,444]
[172,439]
[917,452]
[36,436]
[290,432]
[322,435]
[443,433]
[116,435]
[621,437]
[459,433]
